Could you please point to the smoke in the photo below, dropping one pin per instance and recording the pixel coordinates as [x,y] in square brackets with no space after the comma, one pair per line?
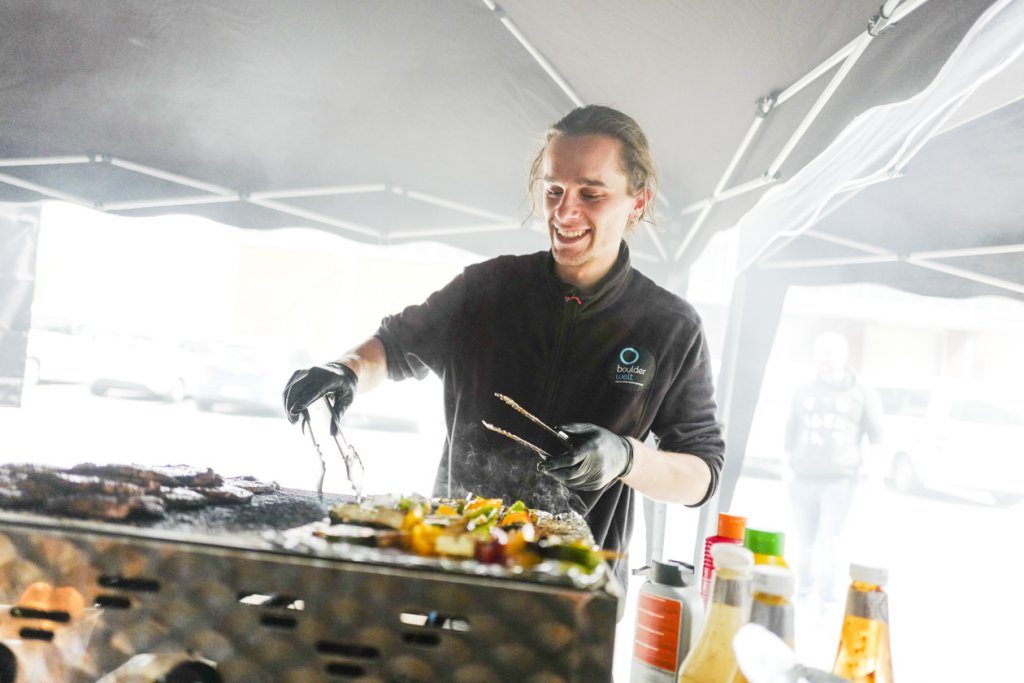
[509,472]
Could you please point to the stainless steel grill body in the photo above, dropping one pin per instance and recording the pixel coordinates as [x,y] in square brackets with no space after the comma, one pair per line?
[264,614]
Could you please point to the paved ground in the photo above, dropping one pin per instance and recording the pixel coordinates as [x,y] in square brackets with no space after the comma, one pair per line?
[955,597]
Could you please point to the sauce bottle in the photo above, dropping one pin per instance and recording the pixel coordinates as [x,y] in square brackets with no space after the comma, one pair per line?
[730,530]
[669,615]
[771,606]
[768,546]
[864,654]
[712,658]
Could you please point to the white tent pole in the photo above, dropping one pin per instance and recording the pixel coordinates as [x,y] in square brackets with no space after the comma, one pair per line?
[46,161]
[914,260]
[846,242]
[817,71]
[460,230]
[44,190]
[316,217]
[129,205]
[541,60]
[763,111]
[448,204]
[168,176]
[656,240]
[692,232]
[746,187]
[861,44]
[969,251]
[969,275]
[903,10]
[320,191]
[695,207]
[827,262]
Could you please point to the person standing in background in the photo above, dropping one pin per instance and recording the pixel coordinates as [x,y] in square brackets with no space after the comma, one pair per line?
[829,420]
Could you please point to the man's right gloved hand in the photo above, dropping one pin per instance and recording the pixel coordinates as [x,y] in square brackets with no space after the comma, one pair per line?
[308,386]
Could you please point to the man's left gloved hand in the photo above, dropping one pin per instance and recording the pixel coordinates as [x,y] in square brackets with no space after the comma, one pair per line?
[596,457]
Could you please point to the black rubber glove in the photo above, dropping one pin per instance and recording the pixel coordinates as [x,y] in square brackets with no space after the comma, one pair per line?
[308,386]
[596,457]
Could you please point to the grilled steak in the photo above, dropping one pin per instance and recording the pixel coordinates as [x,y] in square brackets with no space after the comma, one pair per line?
[225,495]
[120,492]
[182,498]
[252,484]
[165,475]
[94,506]
[64,482]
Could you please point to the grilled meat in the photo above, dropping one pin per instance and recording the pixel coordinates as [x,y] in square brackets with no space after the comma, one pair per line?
[100,506]
[252,484]
[79,483]
[119,492]
[165,475]
[182,498]
[225,494]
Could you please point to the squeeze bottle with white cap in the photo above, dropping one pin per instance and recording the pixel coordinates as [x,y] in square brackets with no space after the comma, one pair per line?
[712,658]
[669,614]
[864,654]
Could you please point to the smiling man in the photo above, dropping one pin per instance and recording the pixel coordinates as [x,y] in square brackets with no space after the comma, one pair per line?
[575,335]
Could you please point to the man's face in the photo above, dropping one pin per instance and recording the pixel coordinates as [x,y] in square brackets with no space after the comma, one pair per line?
[587,205]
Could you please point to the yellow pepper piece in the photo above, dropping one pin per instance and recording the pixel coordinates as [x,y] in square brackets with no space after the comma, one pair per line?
[478,503]
[413,517]
[424,538]
[521,517]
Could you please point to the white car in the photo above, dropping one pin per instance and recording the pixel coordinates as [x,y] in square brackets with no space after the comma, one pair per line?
[956,439]
[58,351]
[139,364]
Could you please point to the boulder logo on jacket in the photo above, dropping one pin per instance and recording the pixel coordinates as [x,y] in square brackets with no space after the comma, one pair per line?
[632,369]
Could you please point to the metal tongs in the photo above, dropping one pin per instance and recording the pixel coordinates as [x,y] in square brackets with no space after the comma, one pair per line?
[560,435]
[349,455]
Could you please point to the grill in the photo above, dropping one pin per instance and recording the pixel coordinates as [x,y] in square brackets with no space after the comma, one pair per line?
[221,583]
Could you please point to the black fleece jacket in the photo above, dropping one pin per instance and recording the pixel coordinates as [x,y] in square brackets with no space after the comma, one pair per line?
[630,357]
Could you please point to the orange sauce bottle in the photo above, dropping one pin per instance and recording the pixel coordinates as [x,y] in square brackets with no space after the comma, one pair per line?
[864,654]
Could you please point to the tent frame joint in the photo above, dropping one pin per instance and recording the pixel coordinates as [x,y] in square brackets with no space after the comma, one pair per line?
[766,104]
[880,23]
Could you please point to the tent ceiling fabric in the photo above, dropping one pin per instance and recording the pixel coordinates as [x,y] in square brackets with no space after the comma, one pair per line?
[949,223]
[427,103]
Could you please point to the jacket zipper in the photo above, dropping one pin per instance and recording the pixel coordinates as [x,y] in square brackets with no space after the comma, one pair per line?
[566,325]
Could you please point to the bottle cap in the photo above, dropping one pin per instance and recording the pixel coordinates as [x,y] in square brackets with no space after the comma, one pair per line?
[773,580]
[765,542]
[732,556]
[876,576]
[671,573]
[731,526]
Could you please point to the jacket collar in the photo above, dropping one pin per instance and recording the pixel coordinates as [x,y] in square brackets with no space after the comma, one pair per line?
[607,288]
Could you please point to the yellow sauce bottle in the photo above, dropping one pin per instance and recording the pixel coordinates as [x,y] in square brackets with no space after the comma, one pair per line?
[712,658]
[864,654]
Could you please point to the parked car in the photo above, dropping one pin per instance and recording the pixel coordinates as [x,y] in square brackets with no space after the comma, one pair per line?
[246,376]
[58,351]
[954,438]
[147,365]
[249,377]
